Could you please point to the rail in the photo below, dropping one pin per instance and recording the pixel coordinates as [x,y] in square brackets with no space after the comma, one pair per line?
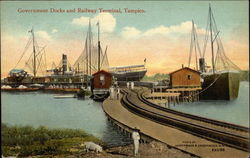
[208,120]
[227,138]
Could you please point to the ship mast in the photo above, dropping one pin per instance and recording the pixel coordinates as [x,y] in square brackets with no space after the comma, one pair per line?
[211,37]
[90,46]
[87,57]
[195,44]
[98,45]
[34,53]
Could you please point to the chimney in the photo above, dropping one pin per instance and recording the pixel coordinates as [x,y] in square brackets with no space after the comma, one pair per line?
[64,62]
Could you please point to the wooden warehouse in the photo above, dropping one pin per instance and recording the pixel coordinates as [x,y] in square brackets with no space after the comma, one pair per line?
[102,80]
[185,78]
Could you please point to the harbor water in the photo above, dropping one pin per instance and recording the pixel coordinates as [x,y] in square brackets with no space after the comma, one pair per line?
[42,109]
[235,111]
[38,108]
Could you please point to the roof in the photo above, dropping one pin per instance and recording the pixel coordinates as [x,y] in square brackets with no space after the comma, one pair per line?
[185,68]
[102,71]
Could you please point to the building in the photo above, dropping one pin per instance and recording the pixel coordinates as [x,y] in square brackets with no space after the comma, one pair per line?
[185,78]
[102,79]
[101,82]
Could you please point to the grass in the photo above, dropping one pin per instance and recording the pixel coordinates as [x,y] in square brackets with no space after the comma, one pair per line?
[29,141]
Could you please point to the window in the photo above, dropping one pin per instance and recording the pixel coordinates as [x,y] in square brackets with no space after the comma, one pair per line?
[102,79]
[189,77]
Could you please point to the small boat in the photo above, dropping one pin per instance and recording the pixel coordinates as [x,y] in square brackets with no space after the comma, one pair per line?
[64,96]
[81,93]
[36,85]
[100,94]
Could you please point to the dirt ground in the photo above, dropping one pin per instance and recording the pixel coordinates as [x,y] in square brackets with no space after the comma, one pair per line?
[151,150]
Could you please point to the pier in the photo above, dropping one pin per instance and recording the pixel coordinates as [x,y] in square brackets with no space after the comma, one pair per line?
[172,96]
[164,99]
[192,134]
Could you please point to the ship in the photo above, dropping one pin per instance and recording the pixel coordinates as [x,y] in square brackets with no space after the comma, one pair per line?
[35,70]
[93,62]
[128,73]
[35,64]
[221,85]
[221,80]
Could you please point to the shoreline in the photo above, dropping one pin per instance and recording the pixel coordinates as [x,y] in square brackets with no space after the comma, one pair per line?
[22,141]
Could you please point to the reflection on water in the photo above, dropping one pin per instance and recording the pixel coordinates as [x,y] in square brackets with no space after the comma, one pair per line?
[37,108]
[236,111]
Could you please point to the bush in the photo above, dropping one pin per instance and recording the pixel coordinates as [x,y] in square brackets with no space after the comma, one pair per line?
[41,141]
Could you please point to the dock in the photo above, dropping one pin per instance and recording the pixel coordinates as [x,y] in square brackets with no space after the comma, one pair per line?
[128,117]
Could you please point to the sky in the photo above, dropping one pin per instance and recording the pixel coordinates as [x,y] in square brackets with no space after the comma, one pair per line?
[161,33]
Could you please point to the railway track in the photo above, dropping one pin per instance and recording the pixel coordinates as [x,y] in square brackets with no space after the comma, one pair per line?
[225,133]
[141,96]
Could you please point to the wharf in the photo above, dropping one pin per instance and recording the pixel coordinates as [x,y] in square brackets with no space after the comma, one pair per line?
[164,99]
[166,134]
[182,89]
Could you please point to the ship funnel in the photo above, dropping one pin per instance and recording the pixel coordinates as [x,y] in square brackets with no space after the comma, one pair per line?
[64,63]
[202,64]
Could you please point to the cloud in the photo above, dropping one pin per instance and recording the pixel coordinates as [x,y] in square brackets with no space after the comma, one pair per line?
[43,34]
[54,30]
[163,30]
[183,28]
[81,21]
[130,32]
[107,21]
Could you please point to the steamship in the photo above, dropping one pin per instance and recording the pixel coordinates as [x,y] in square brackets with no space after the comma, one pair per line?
[57,77]
[221,81]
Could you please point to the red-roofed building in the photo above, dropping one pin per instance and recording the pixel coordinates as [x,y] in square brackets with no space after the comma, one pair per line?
[100,84]
[102,79]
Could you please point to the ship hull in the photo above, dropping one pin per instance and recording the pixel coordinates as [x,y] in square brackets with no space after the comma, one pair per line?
[222,86]
[100,94]
[129,76]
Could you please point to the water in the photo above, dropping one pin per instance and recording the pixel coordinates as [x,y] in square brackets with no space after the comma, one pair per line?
[236,111]
[37,108]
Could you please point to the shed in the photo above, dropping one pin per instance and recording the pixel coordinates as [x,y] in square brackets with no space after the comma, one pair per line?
[185,77]
[102,79]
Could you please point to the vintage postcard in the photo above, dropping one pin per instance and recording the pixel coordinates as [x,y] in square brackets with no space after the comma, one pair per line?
[125,79]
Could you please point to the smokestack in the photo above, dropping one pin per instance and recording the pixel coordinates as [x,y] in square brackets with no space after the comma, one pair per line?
[182,66]
[64,62]
[202,64]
